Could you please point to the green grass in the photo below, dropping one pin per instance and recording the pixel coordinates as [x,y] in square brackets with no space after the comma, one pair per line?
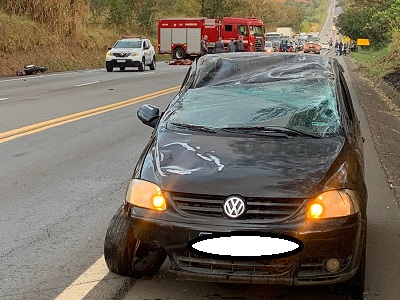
[377,63]
[370,62]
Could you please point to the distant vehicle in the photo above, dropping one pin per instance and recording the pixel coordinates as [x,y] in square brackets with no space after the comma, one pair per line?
[181,37]
[287,32]
[131,52]
[269,47]
[312,47]
[273,37]
[324,45]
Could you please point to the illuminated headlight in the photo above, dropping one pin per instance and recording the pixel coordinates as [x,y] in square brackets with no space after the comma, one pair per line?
[109,54]
[332,204]
[135,53]
[145,194]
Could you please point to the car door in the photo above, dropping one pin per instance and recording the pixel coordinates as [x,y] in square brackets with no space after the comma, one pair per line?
[146,50]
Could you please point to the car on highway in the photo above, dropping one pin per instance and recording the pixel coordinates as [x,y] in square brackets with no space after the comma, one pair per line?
[324,45]
[257,145]
[312,47]
[135,52]
[269,47]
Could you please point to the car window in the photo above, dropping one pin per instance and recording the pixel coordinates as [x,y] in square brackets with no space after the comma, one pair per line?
[128,44]
[242,30]
[306,105]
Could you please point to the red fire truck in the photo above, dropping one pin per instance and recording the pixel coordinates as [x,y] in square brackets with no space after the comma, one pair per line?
[181,36]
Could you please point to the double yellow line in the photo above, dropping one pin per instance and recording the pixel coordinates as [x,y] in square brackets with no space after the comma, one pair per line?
[31,129]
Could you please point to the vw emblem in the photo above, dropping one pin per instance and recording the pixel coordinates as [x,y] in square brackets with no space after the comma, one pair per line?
[234,207]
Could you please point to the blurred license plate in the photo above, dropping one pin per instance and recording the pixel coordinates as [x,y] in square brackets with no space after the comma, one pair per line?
[120,60]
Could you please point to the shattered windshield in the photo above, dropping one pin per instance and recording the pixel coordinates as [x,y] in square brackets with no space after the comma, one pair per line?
[299,97]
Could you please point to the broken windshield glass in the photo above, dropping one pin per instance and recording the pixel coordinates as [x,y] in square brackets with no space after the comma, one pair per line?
[225,94]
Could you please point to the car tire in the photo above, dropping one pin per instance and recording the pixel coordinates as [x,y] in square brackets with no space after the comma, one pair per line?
[142,65]
[153,64]
[127,256]
[178,53]
[122,68]
[354,287]
[109,68]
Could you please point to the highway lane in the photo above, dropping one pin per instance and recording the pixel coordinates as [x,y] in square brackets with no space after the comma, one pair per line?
[60,187]
[39,98]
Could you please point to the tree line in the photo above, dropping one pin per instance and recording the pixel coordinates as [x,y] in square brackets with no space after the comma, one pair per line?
[377,20]
[70,17]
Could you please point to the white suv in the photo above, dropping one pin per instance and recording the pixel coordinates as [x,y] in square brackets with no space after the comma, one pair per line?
[131,52]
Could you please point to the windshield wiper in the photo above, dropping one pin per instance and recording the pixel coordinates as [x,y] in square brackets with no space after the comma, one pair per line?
[267,129]
[194,127]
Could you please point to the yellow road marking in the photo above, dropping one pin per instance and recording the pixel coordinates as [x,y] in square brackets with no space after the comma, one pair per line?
[31,129]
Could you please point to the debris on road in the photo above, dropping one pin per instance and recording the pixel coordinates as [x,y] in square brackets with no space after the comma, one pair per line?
[31,69]
[180,62]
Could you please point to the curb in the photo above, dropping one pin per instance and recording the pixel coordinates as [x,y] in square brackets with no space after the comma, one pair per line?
[390,92]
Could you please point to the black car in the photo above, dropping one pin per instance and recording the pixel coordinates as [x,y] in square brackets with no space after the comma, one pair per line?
[257,145]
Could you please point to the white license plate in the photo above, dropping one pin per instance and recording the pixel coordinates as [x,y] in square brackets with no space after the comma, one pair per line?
[120,60]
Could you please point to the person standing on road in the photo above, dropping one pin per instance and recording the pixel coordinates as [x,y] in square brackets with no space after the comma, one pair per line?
[203,45]
[219,46]
[231,46]
[240,45]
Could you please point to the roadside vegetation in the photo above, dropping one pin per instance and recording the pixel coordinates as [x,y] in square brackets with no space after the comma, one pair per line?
[75,34]
[378,21]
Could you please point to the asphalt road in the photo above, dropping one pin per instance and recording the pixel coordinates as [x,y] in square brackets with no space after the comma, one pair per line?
[60,187]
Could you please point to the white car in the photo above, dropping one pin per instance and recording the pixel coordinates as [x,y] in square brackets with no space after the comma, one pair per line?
[325,45]
[269,47]
[131,52]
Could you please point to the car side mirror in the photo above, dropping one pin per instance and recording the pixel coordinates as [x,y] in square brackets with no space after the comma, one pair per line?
[146,47]
[149,115]
[109,48]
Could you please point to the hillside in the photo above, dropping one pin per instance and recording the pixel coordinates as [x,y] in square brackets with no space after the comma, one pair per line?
[24,41]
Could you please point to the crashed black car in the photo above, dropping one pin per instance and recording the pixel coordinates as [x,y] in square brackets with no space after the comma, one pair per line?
[256,144]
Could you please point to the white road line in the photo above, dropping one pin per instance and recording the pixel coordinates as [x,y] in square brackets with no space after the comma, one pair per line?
[31,77]
[86,282]
[87,83]
[3,99]
[145,73]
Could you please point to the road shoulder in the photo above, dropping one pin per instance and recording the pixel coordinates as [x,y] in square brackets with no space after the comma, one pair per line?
[383,116]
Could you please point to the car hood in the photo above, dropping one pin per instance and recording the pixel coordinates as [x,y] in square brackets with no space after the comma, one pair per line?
[245,165]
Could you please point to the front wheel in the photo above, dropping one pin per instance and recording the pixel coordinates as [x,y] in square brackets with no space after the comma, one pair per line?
[142,65]
[178,53]
[109,67]
[127,256]
[153,64]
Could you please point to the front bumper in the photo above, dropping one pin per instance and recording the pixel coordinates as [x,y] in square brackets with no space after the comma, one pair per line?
[124,62]
[341,238]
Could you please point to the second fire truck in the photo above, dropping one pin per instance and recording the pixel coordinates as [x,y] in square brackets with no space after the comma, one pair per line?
[181,37]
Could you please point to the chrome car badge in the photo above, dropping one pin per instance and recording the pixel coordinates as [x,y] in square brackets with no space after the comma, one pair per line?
[234,207]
